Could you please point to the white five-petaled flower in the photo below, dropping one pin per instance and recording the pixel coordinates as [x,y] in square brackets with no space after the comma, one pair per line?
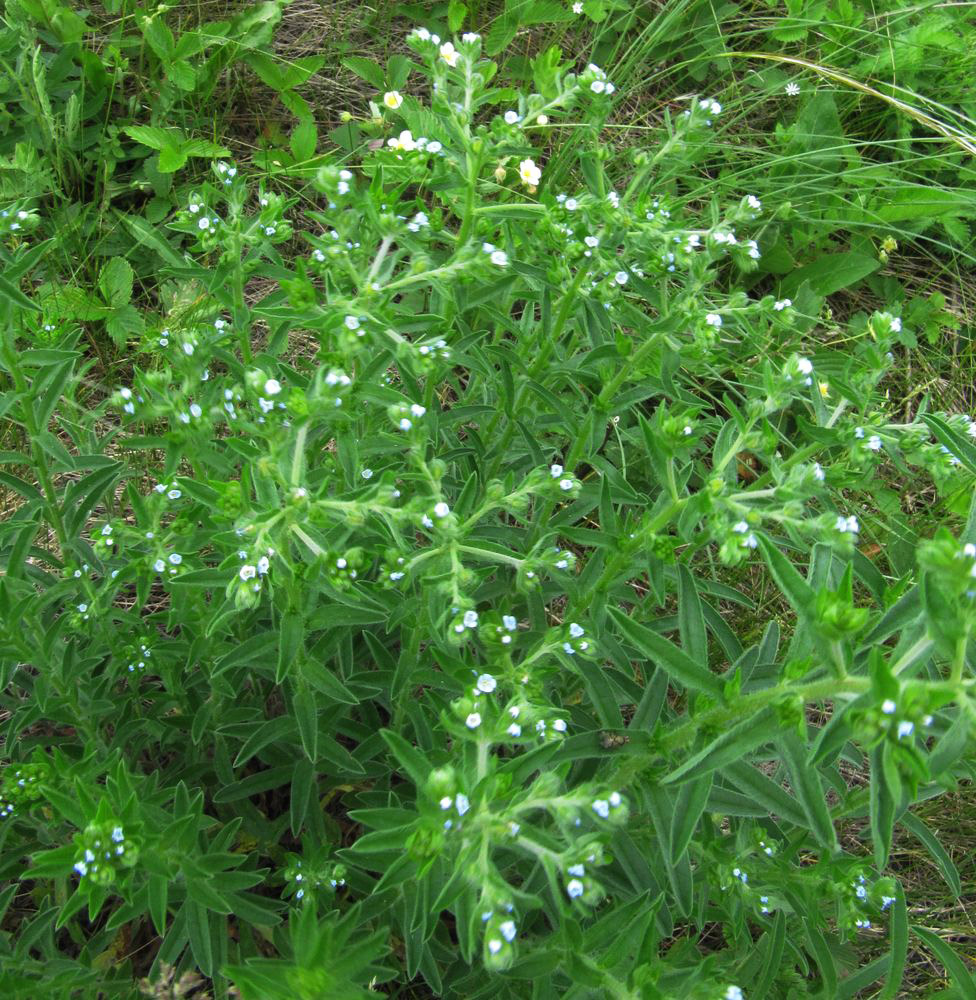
[905,728]
[248,572]
[780,304]
[499,258]
[486,683]
[441,509]
[602,808]
[578,7]
[512,118]
[576,630]
[574,888]
[403,143]
[529,173]
[713,319]
[805,366]
[393,99]
[473,720]
[272,387]
[449,54]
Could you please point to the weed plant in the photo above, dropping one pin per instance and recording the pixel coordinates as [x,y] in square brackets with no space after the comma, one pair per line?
[391,624]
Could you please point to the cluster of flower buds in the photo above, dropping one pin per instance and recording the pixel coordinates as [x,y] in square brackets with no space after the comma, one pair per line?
[21,786]
[103,851]
[304,880]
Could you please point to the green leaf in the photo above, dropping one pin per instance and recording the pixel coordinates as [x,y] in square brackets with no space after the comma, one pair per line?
[830,273]
[291,636]
[805,780]
[12,294]
[899,946]
[729,746]
[882,808]
[303,140]
[796,590]
[154,137]
[366,70]
[115,281]
[668,657]
[304,707]
[171,159]
[961,977]
[409,758]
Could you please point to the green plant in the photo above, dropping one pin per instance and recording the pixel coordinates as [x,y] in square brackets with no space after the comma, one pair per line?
[415,661]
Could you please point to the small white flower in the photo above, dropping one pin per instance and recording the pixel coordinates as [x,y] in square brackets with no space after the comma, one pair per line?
[559,725]
[874,443]
[470,37]
[441,509]
[514,730]
[405,424]
[905,729]
[530,173]
[578,7]
[713,319]
[248,572]
[494,946]
[473,720]
[620,277]
[576,630]
[512,118]
[598,86]
[574,888]
[272,387]
[804,365]
[733,993]
[449,54]
[571,204]
[175,558]
[403,143]
[508,930]
[486,683]
[792,89]
[203,223]
[780,304]
[555,471]
[159,566]
[462,803]
[602,808]
[499,258]
[263,565]
[470,619]
[392,99]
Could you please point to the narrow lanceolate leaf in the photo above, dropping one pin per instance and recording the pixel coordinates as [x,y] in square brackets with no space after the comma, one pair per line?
[961,977]
[939,854]
[898,947]
[678,664]
[691,620]
[882,808]
[787,577]
[731,745]
[805,780]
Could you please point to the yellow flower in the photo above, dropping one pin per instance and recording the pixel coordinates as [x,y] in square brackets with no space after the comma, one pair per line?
[392,99]
[449,54]
[529,173]
[824,388]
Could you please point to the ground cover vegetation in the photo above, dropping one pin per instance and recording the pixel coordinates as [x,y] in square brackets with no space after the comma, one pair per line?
[488,500]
